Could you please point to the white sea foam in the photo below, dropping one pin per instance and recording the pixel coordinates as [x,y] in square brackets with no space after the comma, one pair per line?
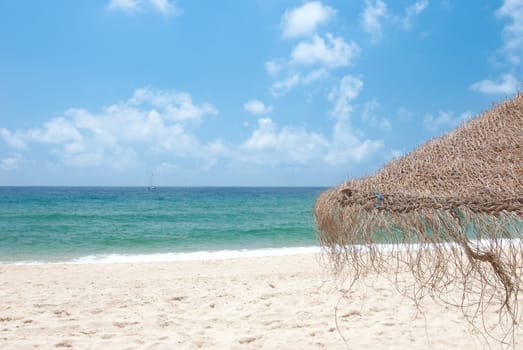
[173,257]
[387,247]
[253,253]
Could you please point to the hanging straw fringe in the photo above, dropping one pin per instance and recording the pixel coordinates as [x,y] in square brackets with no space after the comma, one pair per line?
[450,212]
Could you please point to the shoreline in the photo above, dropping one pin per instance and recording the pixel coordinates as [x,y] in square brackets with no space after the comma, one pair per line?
[203,255]
[226,254]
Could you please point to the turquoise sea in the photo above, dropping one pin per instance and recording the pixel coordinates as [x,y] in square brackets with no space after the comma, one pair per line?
[92,224]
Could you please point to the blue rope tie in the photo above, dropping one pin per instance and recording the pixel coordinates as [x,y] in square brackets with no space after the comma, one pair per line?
[379,198]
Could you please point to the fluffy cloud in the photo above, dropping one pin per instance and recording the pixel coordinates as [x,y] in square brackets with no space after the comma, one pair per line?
[160,127]
[312,58]
[165,7]
[512,48]
[123,5]
[371,17]
[413,11]
[280,87]
[348,89]
[55,131]
[273,67]
[273,145]
[10,163]
[332,52]
[257,107]
[506,86]
[346,145]
[310,61]
[154,120]
[445,120]
[288,145]
[375,14]
[304,20]
[175,106]
[13,139]
[513,32]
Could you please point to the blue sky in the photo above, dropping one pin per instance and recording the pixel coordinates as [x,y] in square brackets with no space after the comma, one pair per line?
[261,92]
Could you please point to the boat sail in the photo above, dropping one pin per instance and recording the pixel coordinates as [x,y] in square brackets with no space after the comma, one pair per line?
[152,187]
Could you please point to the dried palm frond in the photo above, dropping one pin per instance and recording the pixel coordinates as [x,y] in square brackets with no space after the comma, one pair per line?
[450,212]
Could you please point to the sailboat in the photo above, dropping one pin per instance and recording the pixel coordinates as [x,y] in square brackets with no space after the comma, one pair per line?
[152,187]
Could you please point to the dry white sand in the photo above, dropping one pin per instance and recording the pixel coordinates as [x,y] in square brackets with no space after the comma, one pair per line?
[284,302]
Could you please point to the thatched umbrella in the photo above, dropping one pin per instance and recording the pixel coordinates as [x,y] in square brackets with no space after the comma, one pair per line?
[450,212]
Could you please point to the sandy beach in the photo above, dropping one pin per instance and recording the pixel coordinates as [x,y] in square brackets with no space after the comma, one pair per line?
[284,302]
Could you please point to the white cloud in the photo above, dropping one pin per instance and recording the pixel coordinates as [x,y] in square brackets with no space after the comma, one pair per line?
[273,67]
[348,89]
[333,52]
[55,131]
[175,106]
[11,163]
[372,16]
[369,115]
[513,32]
[375,14]
[290,145]
[314,57]
[13,139]
[314,75]
[270,144]
[123,5]
[310,61]
[507,85]
[346,146]
[417,8]
[158,127]
[355,151]
[512,49]
[166,7]
[304,20]
[445,120]
[413,11]
[150,121]
[257,107]
[280,87]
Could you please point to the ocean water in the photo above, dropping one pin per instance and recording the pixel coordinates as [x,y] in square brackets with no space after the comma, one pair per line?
[98,224]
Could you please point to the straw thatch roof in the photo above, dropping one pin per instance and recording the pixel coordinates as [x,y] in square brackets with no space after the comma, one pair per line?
[453,208]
